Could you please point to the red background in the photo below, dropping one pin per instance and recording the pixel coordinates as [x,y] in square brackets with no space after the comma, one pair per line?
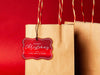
[14,14]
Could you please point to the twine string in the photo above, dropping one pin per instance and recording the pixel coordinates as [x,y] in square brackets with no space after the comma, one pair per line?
[39,17]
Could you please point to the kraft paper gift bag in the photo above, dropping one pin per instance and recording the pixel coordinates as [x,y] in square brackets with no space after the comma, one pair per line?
[62,62]
[87,46]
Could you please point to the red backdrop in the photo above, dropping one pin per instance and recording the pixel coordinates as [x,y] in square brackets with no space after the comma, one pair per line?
[14,14]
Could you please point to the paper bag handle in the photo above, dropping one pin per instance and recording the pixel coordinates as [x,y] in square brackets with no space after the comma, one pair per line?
[39,16]
[60,12]
[92,19]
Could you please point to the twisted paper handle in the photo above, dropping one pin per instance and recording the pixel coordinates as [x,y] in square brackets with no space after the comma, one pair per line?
[73,10]
[60,12]
[82,10]
[93,11]
[40,7]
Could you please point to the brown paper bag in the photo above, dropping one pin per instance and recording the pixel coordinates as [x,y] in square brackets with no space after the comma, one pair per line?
[87,43]
[62,62]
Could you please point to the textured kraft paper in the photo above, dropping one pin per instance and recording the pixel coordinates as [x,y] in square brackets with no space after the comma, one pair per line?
[62,62]
[87,43]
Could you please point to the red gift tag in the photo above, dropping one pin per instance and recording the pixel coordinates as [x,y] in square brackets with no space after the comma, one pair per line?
[37,49]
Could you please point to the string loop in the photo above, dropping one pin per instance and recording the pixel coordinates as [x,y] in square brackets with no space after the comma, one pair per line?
[39,17]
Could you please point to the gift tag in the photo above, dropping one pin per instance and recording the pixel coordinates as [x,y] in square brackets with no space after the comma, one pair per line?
[37,49]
